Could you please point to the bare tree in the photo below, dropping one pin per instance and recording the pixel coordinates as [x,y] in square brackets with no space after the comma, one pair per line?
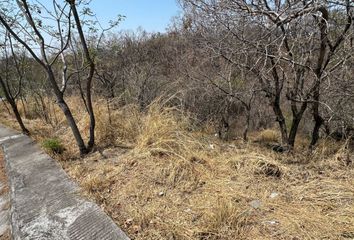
[284,45]
[33,28]
[11,84]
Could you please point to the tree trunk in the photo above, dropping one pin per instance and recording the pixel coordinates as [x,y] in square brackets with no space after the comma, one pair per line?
[245,131]
[90,110]
[71,121]
[317,118]
[293,130]
[321,63]
[297,116]
[14,107]
[68,115]
[18,117]
[281,121]
[316,130]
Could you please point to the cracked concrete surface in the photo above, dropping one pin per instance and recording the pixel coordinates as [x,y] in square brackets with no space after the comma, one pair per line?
[45,203]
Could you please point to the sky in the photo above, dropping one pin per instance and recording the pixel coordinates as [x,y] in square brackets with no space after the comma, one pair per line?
[151,15]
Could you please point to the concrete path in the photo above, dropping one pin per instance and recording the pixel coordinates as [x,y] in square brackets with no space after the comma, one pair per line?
[45,203]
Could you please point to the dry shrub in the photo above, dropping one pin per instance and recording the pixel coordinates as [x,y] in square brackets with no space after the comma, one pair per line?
[159,131]
[327,147]
[267,136]
[163,131]
[225,219]
[117,126]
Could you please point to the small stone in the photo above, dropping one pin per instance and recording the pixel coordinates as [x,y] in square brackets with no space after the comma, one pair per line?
[129,222]
[274,195]
[136,229]
[188,210]
[161,194]
[256,204]
[212,146]
[271,222]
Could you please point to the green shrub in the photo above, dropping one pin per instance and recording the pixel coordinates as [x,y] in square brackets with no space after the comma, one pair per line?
[53,145]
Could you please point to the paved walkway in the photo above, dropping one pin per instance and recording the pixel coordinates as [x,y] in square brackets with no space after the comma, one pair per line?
[45,203]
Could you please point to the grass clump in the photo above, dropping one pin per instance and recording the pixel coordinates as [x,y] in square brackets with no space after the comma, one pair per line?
[163,131]
[53,145]
[159,131]
[267,136]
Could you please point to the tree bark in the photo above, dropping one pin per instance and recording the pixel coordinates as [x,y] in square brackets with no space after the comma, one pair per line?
[90,110]
[71,121]
[322,59]
[293,130]
[317,118]
[297,116]
[281,121]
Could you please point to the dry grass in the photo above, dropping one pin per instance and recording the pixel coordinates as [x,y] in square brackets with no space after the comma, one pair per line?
[3,191]
[172,183]
[267,136]
[3,177]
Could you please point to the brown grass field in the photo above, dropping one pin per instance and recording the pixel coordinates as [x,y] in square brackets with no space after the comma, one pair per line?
[159,178]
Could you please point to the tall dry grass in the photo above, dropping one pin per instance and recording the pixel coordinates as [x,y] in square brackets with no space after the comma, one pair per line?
[159,180]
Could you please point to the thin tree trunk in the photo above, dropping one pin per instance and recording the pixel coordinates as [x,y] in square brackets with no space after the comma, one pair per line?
[18,118]
[14,107]
[248,120]
[317,118]
[68,115]
[297,116]
[281,121]
[321,62]
[91,141]
[293,130]
[71,121]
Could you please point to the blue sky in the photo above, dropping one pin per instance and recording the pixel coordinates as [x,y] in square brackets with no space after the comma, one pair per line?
[151,15]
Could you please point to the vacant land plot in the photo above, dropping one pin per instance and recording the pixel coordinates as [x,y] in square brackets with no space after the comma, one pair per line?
[158,179]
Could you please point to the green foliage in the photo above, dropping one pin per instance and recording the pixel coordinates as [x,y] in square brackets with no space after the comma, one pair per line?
[53,145]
